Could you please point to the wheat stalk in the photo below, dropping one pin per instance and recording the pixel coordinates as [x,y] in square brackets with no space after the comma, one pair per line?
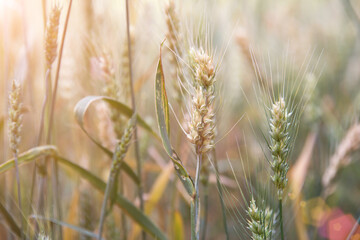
[201,127]
[341,157]
[118,158]
[15,124]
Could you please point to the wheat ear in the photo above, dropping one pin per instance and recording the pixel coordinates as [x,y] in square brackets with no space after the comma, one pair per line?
[15,124]
[174,38]
[279,146]
[260,221]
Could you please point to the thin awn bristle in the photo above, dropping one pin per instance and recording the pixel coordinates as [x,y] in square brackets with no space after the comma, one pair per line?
[51,36]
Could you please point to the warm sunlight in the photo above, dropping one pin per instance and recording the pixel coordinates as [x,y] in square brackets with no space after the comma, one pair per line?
[179,119]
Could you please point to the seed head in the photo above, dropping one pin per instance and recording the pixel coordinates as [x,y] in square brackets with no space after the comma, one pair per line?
[203,67]
[202,124]
[279,144]
[51,36]
[123,145]
[260,221]
[15,117]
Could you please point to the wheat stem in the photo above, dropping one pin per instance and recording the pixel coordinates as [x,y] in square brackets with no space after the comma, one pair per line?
[222,203]
[109,186]
[118,157]
[206,209]
[281,219]
[133,104]
[195,220]
[19,193]
[52,109]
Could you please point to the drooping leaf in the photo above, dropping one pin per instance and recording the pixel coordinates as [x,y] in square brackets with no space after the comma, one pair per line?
[162,112]
[30,155]
[82,107]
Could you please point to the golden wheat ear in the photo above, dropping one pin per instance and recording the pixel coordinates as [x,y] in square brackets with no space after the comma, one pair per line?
[15,124]
[51,36]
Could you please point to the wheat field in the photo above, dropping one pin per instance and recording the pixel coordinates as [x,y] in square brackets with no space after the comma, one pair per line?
[180,119]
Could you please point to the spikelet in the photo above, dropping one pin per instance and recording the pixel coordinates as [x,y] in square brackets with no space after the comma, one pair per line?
[260,222]
[111,89]
[201,128]
[107,75]
[15,117]
[174,39]
[279,144]
[51,36]
[122,146]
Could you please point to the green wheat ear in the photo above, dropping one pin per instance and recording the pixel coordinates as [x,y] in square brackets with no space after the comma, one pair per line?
[260,222]
[279,144]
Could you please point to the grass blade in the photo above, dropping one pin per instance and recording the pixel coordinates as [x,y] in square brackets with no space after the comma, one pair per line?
[178,226]
[155,195]
[132,211]
[80,230]
[28,156]
[82,107]
[161,103]
[10,221]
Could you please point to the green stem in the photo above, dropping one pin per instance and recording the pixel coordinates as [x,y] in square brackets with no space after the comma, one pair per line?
[281,220]
[195,203]
[51,119]
[206,209]
[103,207]
[19,193]
[133,104]
[123,217]
[218,184]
